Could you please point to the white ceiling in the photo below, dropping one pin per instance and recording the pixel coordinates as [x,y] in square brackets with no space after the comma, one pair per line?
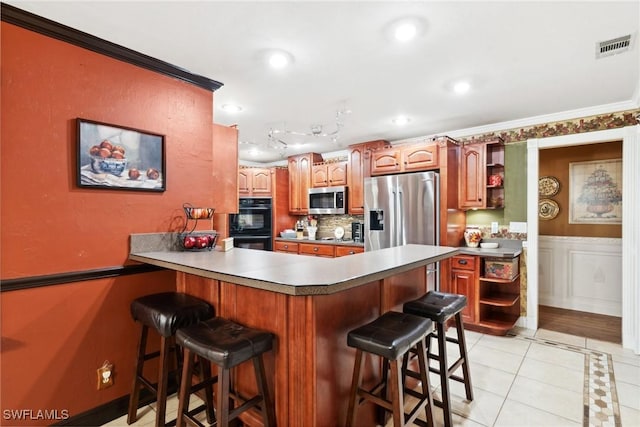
[522,59]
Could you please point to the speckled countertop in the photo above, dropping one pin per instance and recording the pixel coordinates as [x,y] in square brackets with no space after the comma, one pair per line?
[507,248]
[293,274]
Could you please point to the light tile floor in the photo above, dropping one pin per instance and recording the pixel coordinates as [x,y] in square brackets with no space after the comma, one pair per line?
[542,379]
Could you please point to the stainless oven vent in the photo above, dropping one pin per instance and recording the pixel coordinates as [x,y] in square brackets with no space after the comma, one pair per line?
[613,46]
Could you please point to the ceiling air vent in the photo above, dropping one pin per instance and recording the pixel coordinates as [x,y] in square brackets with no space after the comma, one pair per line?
[613,46]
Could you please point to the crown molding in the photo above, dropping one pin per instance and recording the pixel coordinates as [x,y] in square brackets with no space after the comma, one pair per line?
[47,27]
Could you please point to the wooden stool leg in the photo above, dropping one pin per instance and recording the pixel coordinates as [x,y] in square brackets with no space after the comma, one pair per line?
[444,378]
[185,386]
[222,397]
[396,391]
[163,379]
[135,388]
[424,378]
[205,374]
[462,345]
[353,394]
[263,388]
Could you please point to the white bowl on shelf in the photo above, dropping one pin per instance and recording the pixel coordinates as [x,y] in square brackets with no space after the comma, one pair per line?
[489,245]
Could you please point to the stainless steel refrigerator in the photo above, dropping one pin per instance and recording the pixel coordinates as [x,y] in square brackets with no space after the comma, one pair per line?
[402,209]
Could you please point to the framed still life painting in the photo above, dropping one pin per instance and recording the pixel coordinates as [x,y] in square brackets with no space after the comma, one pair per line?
[595,192]
[119,158]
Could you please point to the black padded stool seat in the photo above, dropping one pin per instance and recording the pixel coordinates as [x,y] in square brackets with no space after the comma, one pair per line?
[168,311]
[390,336]
[226,344]
[164,312]
[437,306]
[440,307]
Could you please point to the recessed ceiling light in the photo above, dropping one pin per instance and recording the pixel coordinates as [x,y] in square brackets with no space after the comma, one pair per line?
[461,87]
[278,60]
[405,31]
[401,120]
[231,108]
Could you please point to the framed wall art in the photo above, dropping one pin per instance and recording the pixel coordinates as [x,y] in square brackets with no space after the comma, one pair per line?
[119,158]
[595,192]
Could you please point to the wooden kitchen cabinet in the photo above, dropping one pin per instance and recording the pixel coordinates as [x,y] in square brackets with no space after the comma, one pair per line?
[405,159]
[493,304]
[321,250]
[348,250]
[330,174]
[300,179]
[465,271]
[359,169]
[289,247]
[316,249]
[254,182]
[479,161]
[499,301]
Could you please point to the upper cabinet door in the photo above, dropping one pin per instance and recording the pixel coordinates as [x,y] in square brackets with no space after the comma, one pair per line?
[420,158]
[254,182]
[472,177]
[385,161]
[337,173]
[320,178]
[261,185]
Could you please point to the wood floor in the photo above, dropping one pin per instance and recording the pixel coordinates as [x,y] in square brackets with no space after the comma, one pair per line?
[590,325]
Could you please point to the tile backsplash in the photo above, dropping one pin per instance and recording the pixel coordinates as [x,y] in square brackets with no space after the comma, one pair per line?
[328,223]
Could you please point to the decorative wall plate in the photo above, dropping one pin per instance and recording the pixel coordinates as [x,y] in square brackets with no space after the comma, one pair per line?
[548,186]
[548,209]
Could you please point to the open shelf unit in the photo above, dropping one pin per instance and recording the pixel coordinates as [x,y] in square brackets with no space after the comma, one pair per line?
[498,303]
[494,167]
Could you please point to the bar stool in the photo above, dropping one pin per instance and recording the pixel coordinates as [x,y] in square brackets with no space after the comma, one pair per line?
[165,312]
[390,336]
[440,307]
[226,344]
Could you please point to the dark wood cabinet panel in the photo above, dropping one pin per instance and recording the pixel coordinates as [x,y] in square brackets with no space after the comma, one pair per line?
[464,281]
[330,174]
[479,162]
[420,158]
[254,182]
[359,169]
[300,180]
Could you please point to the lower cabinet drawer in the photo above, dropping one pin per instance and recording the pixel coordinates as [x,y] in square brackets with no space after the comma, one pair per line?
[348,250]
[463,262]
[317,250]
[286,247]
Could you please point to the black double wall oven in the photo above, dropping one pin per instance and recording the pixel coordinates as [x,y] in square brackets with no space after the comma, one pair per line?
[251,226]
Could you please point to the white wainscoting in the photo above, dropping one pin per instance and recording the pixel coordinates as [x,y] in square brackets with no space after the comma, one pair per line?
[581,273]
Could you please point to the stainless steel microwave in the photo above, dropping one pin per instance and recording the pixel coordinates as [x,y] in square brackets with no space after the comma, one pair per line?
[328,200]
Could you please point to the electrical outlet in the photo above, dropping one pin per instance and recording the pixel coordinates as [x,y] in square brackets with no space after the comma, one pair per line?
[494,228]
[105,376]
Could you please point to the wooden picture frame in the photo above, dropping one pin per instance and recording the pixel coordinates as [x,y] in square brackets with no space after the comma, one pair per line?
[116,157]
[595,192]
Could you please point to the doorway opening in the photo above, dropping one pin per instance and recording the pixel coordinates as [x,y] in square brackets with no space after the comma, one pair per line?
[580,252]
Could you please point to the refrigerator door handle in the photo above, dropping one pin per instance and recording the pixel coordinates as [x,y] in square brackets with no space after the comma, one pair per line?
[400,211]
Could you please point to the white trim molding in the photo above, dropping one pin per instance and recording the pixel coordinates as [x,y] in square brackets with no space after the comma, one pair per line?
[630,137]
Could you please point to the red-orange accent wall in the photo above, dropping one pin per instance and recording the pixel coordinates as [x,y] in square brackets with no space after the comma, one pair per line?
[54,338]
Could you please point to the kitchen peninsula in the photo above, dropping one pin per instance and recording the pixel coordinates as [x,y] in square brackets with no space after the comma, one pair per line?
[310,304]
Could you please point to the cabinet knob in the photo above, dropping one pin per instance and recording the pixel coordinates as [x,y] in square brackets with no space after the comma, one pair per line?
[286,246]
[462,261]
[315,249]
[351,252]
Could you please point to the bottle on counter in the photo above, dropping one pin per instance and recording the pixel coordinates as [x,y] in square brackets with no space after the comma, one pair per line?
[299,230]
